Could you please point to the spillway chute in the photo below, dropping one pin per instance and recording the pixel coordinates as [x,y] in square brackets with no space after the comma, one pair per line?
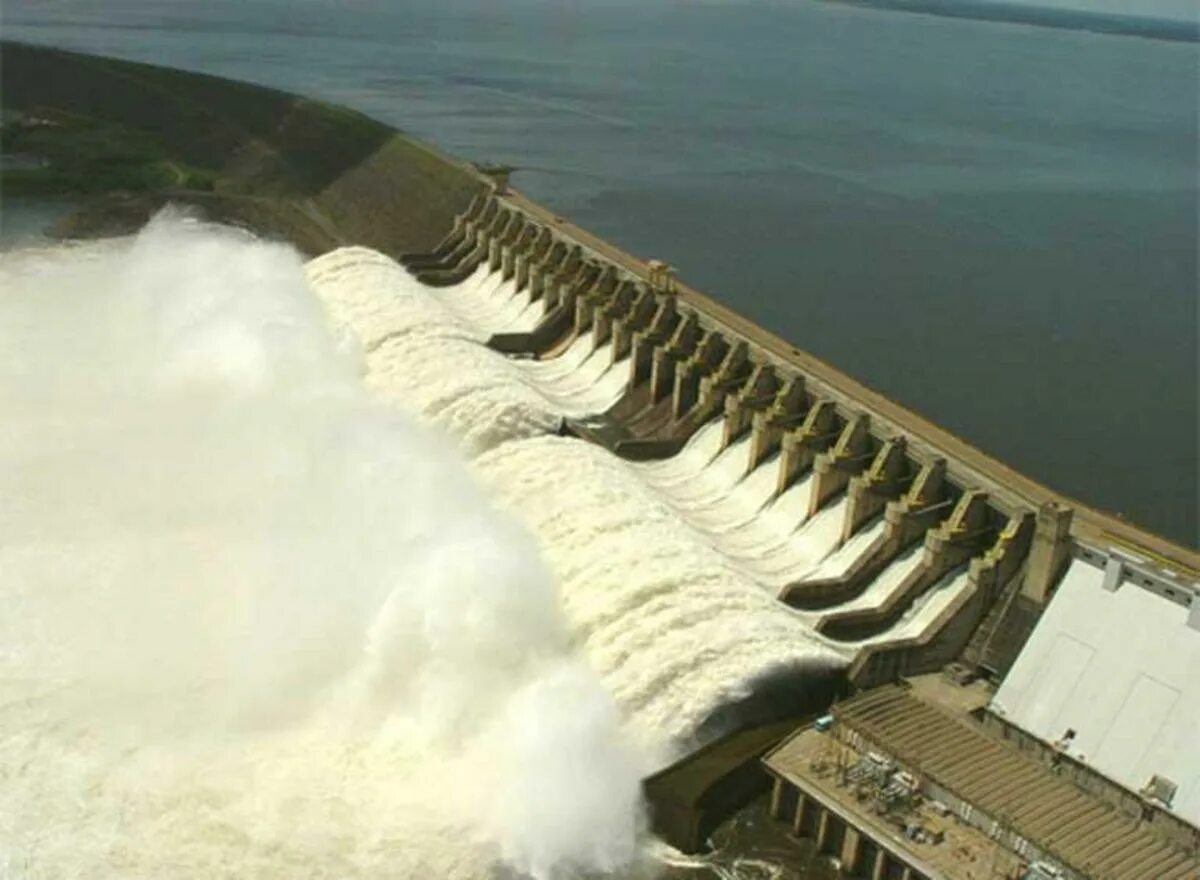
[717,530]
[721,525]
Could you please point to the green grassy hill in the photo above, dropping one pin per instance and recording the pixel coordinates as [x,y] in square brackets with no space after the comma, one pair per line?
[134,136]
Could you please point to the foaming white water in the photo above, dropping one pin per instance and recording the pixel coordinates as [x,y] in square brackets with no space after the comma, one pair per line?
[424,351]
[701,448]
[674,628]
[669,569]
[254,625]
[838,563]
[491,303]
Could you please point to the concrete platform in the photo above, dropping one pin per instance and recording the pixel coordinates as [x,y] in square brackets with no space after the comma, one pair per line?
[1022,799]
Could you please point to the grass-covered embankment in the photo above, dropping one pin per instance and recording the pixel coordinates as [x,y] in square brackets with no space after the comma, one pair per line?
[134,136]
[83,155]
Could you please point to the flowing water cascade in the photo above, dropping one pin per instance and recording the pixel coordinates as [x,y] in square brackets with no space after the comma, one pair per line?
[423,350]
[256,625]
[926,607]
[887,584]
[674,627]
[259,623]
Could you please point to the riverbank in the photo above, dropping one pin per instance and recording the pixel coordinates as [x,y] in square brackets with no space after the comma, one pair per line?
[126,138]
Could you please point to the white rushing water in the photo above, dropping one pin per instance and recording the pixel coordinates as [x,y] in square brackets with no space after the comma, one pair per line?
[424,351]
[255,625]
[427,353]
[260,623]
[675,629]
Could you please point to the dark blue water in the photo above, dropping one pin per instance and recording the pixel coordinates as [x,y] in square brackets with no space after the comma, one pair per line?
[994,224]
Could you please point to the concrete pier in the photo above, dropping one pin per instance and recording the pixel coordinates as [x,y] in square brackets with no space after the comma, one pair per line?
[800,446]
[832,470]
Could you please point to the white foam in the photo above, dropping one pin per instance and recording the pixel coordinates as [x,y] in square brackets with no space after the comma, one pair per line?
[627,540]
[424,351]
[254,624]
[702,447]
[674,628]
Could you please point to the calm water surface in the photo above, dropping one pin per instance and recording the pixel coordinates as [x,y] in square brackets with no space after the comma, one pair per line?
[994,224]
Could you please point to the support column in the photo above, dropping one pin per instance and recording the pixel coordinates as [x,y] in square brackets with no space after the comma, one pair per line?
[801,813]
[907,873]
[511,246]
[662,367]
[740,408]
[662,374]
[767,426]
[536,278]
[539,249]
[965,533]
[832,471]
[521,271]
[921,507]
[869,492]
[1050,553]
[640,314]
[851,848]
[799,447]
[706,358]
[543,269]
[991,571]
[722,384]
[493,254]
[777,799]
[613,304]
[508,257]
[879,869]
[823,824]
[585,315]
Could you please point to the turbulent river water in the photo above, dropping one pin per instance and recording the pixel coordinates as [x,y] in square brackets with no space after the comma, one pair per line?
[281,602]
[256,624]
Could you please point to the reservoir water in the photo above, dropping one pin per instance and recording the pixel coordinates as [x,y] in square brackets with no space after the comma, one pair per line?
[994,224]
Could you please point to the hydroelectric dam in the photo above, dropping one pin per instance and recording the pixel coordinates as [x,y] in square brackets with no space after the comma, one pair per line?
[742,534]
[787,582]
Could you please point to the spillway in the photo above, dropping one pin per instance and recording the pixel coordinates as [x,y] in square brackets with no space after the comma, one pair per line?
[255,623]
[675,628]
[422,351]
[723,551]
[669,569]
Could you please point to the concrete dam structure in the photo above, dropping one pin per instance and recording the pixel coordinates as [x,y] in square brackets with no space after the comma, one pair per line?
[892,543]
[741,534]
